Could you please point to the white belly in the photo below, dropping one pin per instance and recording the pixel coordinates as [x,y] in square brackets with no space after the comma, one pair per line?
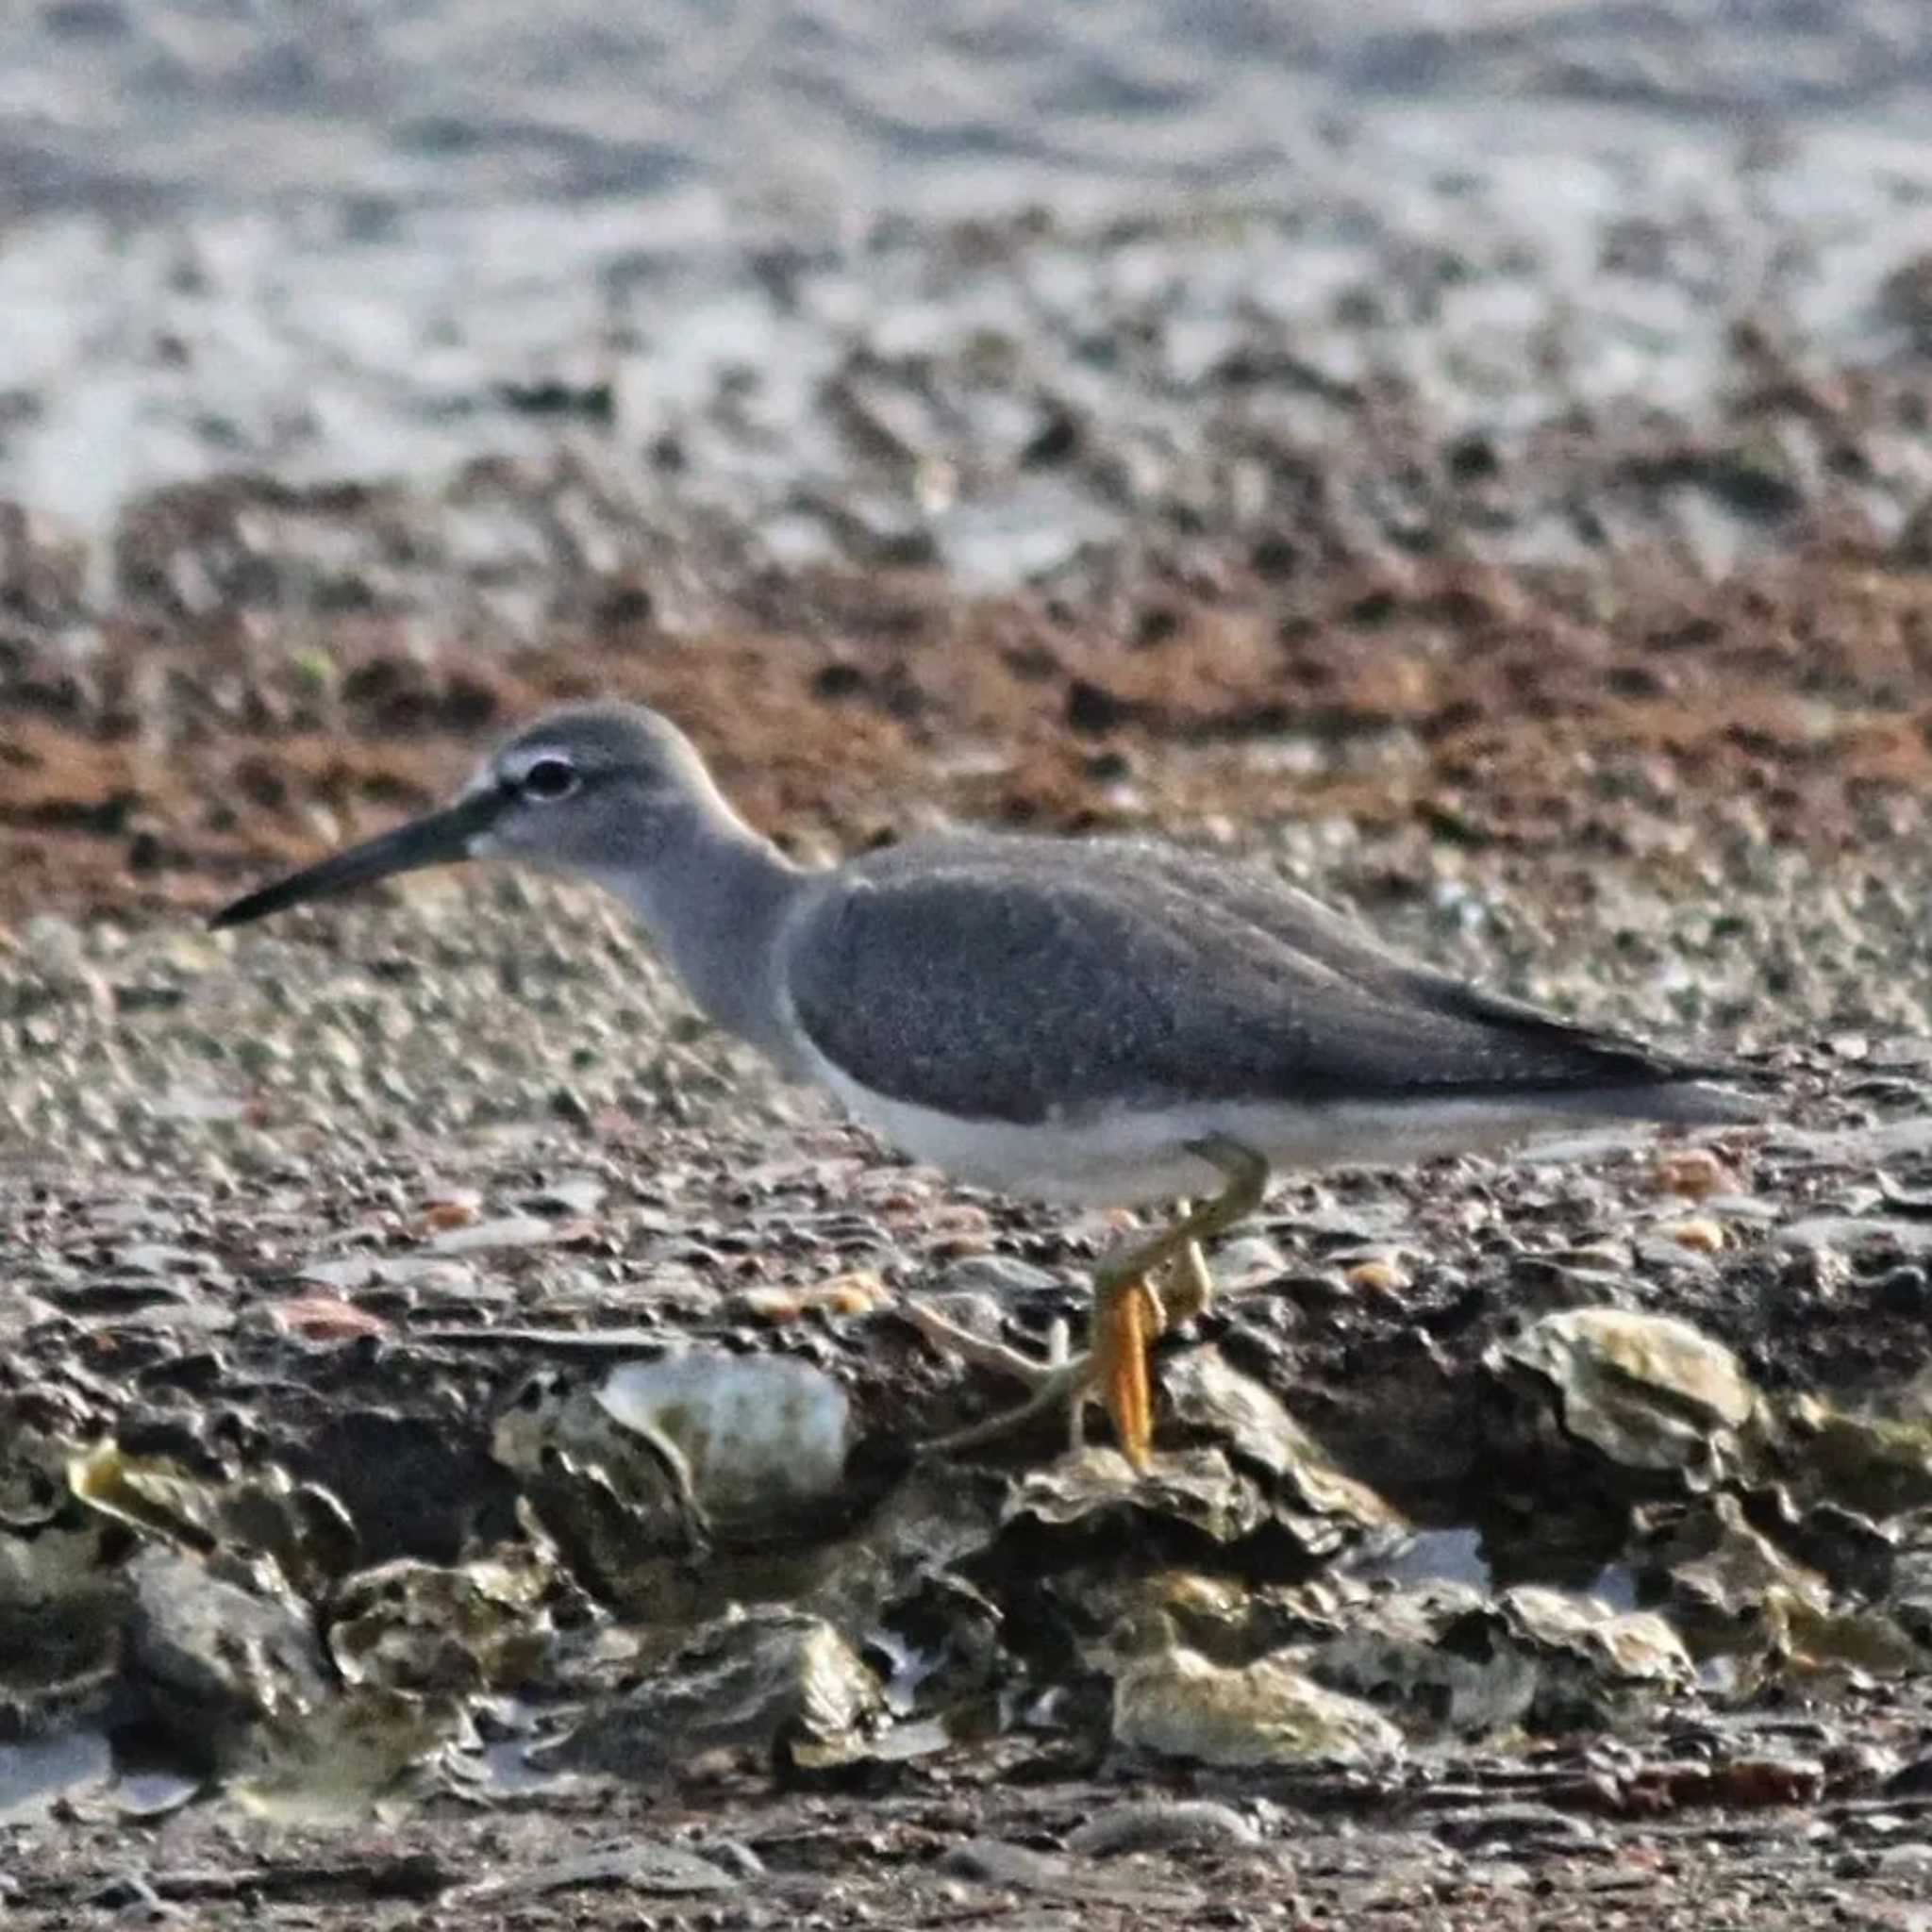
[1124,1159]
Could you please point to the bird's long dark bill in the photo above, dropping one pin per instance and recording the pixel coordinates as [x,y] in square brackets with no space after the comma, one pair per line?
[442,838]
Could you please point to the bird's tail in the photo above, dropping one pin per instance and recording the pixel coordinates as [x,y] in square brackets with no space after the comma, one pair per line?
[1692,1102]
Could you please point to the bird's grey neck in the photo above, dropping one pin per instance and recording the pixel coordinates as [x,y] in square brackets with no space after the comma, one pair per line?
[712,898]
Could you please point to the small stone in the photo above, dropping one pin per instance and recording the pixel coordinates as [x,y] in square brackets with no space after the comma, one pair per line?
[961,1219]
[1002,1275]
[776,1306]
[1019,1868]
[861,1293]
[417,1627]
[748,1680]
[1247,1262]
[578,1194]
[508,1231]
[216,1659]
[337,1049]
[1903,1291]
[851,1294]
[55,948]
[1504,1823]
[326,1318]
[1648,1392]
[759,1434]
[1769,1783]
[653,1867]
[1699,1234]
[1695,1173]
[1381,1276]
[1906,1860]
[1162,1824]
[1179,1704]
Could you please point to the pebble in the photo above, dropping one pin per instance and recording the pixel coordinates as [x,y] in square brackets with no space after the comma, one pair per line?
[1002,1276]
[1379,1275]
[1019,1868]
[1162,1824]
[507,1231]
[845,1296]
[1699,1234]
[1521,1826]
[326,1318]
[1903,1291]
[1695,1173]
[1247,1262]
[581,1193]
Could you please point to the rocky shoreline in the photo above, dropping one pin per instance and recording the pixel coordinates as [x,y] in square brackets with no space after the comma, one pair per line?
[1535,1543]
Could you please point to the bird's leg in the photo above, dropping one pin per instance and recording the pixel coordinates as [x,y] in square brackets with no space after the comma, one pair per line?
[1055,1380]
[1186,1287]
[982,1350]
[1129,1314]
[1143,1314]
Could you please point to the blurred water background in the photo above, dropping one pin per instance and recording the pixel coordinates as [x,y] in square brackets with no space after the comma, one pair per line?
[369,236]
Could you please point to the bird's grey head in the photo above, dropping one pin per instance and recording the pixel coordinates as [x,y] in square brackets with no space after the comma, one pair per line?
[588,788]
[597,789]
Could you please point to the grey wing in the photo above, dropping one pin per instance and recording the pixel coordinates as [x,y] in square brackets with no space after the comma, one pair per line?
[995,986]
[1304,924]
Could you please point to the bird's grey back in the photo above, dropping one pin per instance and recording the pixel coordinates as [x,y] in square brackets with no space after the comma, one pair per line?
[1013,978]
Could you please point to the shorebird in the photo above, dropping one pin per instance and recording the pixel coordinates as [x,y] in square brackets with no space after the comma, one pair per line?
[1104,1022]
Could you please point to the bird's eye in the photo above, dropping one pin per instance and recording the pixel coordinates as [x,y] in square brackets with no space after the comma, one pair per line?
[550,779]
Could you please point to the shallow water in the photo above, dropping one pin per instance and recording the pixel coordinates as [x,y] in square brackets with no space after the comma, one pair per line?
[35,1773]
[343,241]
[852,102]
[1457,1555]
